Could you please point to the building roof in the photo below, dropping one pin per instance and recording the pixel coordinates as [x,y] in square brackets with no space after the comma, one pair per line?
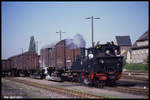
[123,40]
[144,36]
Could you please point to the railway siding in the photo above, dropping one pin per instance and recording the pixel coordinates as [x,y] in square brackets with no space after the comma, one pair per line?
[12,89]
[73,88]
[73,93]
[130,90]
[134,77]
[137,90]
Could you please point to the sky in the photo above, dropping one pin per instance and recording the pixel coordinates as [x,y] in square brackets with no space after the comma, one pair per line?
[21,20]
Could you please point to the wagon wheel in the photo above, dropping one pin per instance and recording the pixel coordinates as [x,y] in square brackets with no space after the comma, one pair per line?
[100,84]
[113,83]
[95,83]
[79,78]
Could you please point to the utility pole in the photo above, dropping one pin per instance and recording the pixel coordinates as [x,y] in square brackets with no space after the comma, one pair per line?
[37,46]
[36,58]
[60,33]
[92,28]
[22,58]
[22,51]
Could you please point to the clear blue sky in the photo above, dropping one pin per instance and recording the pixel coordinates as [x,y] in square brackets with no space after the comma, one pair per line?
[20,20]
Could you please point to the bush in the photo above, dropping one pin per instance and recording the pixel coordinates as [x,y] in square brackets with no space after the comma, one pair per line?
[134,66]
[147,59]
[124,62]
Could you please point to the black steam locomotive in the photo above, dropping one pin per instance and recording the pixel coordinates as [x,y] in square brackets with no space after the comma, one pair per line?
[102,65]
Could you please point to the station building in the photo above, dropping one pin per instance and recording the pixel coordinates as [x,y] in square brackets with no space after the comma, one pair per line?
[140,49]
[125,44]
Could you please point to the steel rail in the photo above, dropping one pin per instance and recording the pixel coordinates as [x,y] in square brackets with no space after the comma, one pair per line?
[130,90]
[125,89]
[134,78]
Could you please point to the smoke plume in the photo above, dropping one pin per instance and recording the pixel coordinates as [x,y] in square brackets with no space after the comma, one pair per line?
[77,42]
[52,45]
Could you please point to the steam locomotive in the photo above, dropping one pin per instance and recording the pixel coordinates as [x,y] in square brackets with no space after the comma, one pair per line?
[103,65]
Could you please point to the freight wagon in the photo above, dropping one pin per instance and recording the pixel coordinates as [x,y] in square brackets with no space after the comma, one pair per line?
[6,67]
[22,64]
[60,56]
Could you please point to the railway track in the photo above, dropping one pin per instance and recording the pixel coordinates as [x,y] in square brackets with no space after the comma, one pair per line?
[125,89]
[74,93]
[133,71]
[79,94]
[134,78]
[130,90]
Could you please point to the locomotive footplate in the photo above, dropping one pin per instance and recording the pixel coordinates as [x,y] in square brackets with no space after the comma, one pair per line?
[111,76]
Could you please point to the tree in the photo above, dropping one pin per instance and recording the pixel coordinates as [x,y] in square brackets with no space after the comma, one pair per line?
[147,59]
[124,62]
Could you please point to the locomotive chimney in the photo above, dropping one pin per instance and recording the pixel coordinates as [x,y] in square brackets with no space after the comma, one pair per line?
[73,54]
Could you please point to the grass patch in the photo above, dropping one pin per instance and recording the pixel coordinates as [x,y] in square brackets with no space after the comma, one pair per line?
[41,97]
[24,94]
[134,66]
[35,90]
[57,86]
[75,90]
[101,94]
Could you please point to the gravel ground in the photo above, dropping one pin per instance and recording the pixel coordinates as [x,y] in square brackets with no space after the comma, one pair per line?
[11,89]
[91,90]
